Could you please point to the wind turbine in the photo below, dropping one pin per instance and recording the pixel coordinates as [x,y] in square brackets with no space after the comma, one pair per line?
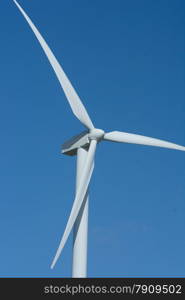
[84,146]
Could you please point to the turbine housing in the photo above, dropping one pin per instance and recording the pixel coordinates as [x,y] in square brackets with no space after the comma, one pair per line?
[81,140]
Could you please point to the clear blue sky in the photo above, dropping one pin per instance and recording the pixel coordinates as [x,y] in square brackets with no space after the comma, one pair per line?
[126,60]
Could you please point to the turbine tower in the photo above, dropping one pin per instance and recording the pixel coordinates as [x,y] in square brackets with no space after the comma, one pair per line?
[84,146]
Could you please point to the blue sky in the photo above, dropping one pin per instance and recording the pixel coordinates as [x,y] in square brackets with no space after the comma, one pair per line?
[126,60]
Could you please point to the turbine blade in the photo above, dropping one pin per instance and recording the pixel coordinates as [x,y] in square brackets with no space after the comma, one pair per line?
[81,192]
[71,95]
[124,137]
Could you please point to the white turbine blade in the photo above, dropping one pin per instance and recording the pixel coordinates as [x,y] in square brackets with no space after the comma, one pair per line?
[71,95]
[124,137]
[81,192]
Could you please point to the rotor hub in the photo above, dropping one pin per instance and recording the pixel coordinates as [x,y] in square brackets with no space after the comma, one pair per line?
[96,134]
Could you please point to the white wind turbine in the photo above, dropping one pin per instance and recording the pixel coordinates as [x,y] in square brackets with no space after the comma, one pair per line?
[84,146]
